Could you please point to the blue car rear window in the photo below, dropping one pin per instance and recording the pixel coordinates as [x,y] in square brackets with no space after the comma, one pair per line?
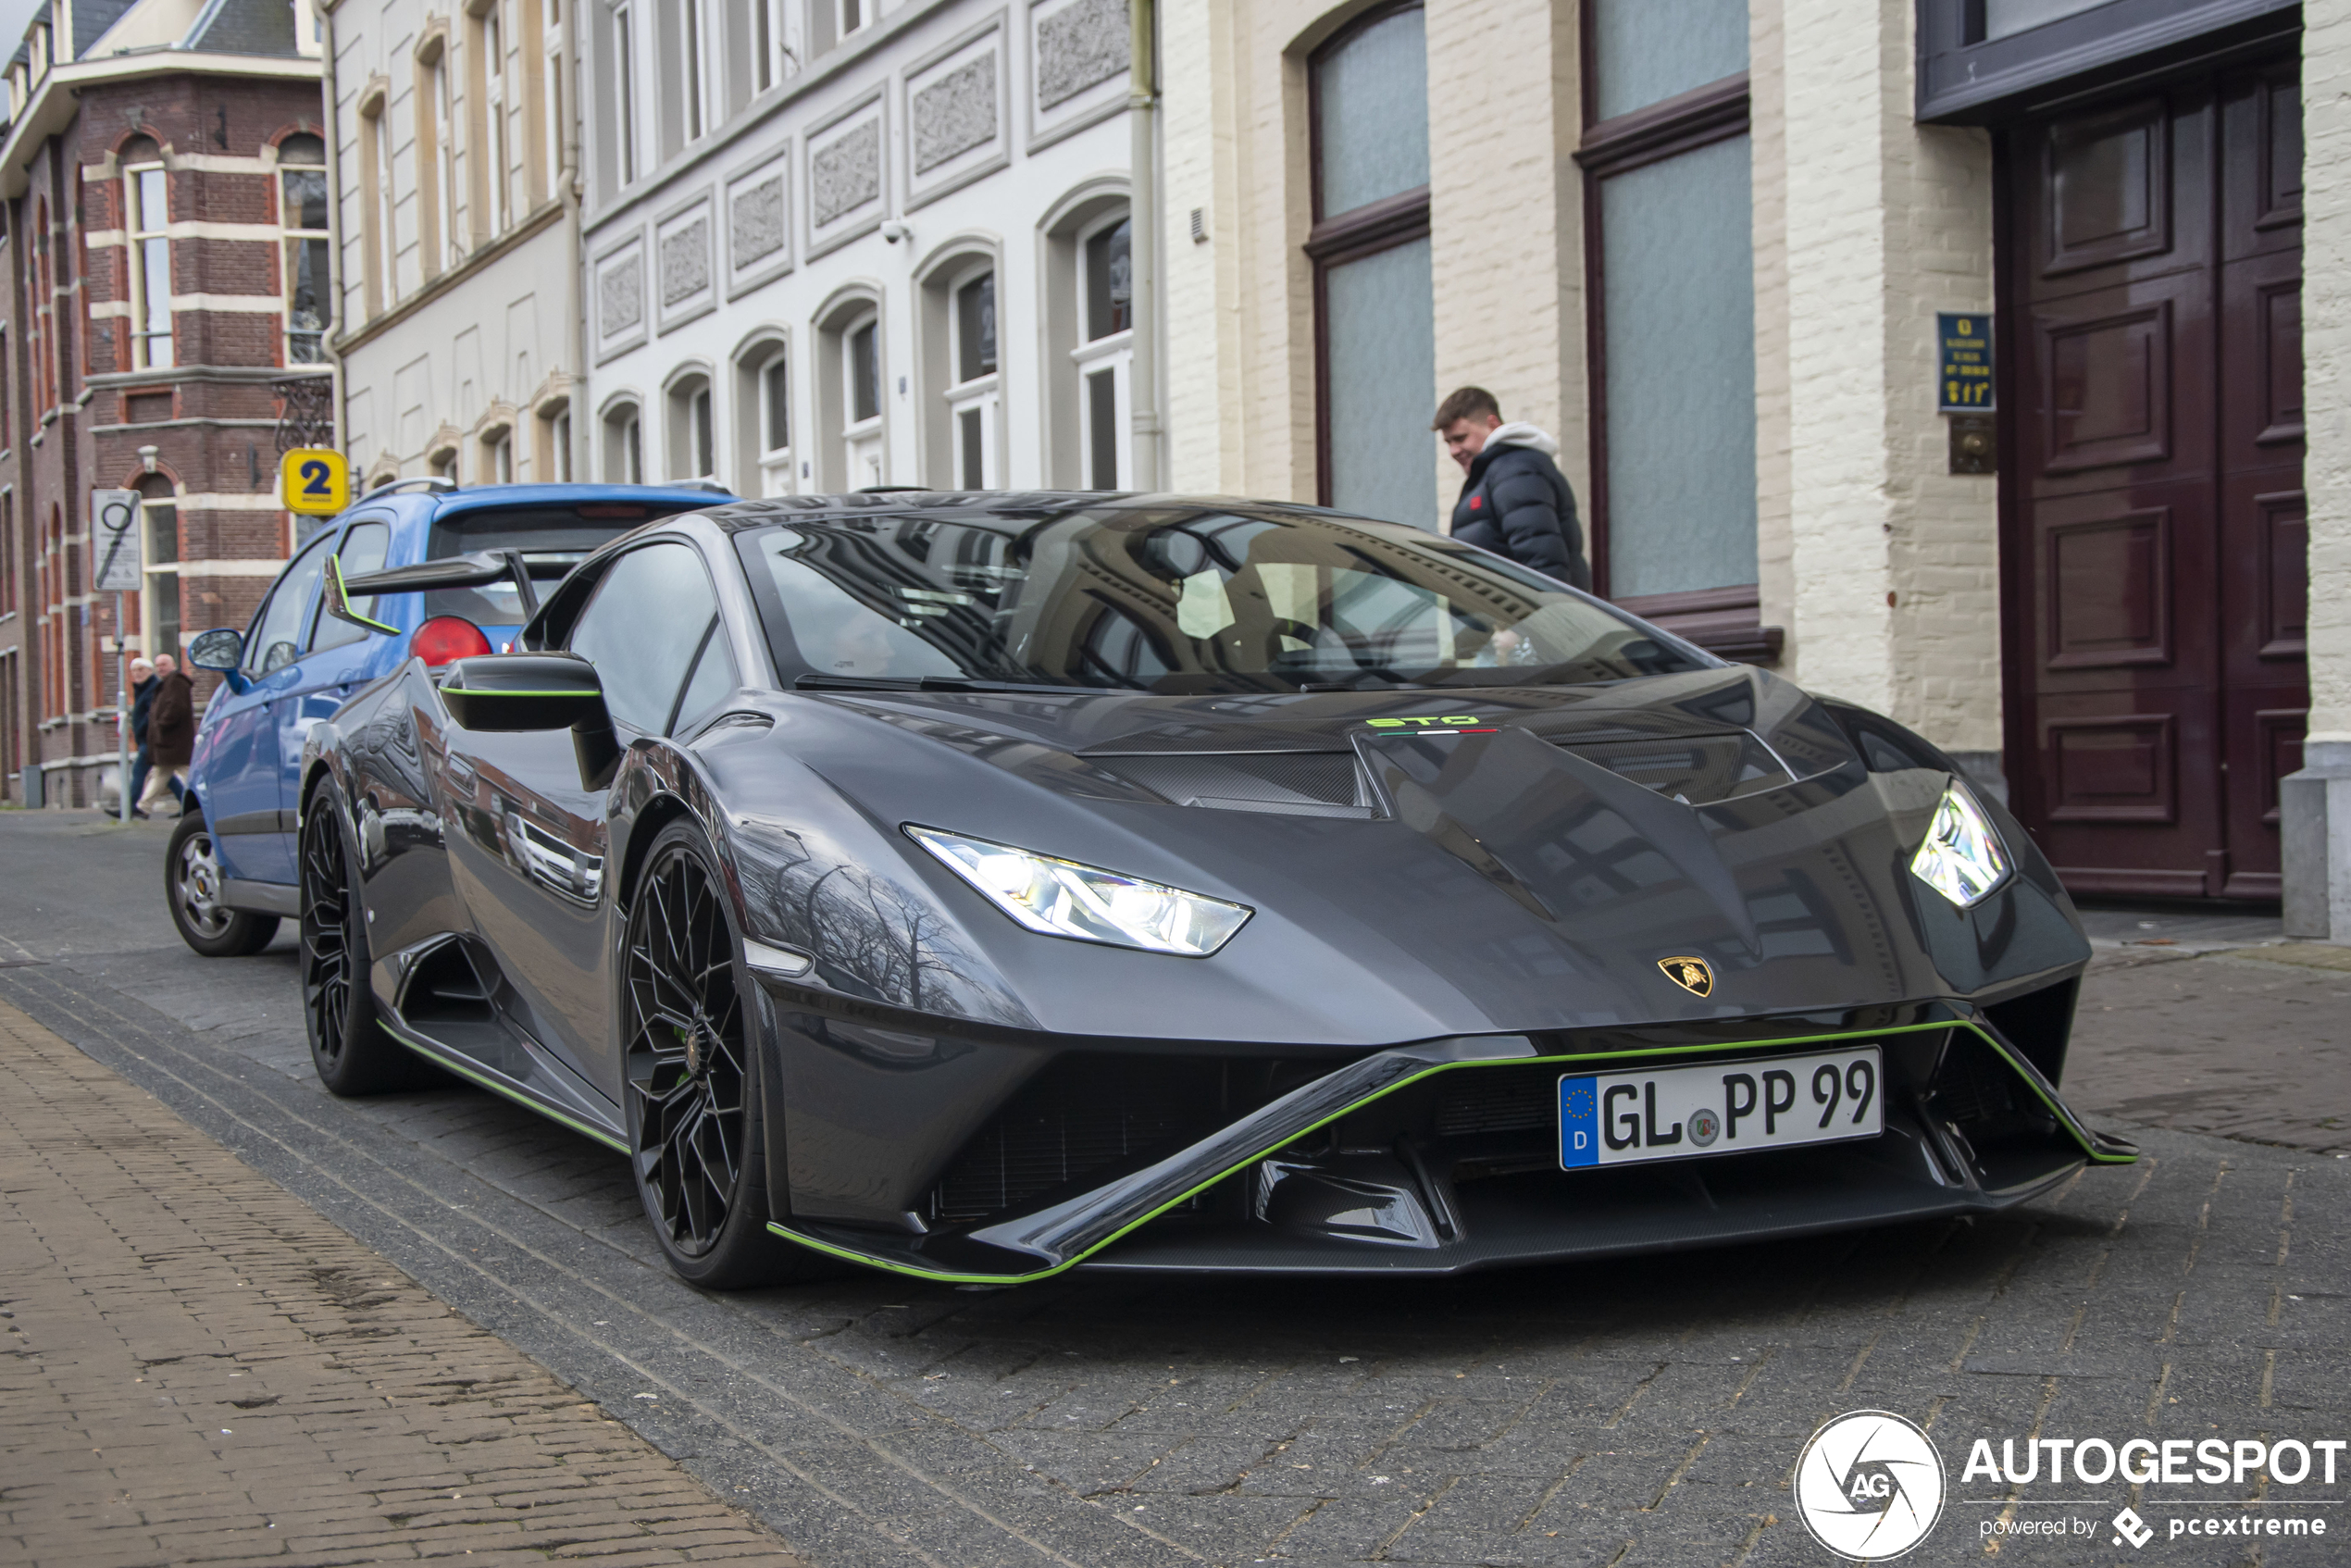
[553,539]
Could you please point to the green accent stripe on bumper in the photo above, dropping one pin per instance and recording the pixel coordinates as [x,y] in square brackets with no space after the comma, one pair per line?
[2092,1148]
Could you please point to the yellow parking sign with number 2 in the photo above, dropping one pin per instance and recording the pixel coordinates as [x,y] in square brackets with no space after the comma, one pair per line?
[315,481]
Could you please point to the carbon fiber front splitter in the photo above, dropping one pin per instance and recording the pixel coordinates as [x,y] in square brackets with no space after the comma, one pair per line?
[1920,1169]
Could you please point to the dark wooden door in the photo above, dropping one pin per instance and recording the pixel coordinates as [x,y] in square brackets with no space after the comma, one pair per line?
[2155,532]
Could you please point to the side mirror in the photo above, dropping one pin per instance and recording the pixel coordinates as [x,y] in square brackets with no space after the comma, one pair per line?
[221,651]
[339,603]
[523,691]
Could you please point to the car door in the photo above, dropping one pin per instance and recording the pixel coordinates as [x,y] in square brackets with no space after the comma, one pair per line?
[335,658]
[652,629]
[243,773]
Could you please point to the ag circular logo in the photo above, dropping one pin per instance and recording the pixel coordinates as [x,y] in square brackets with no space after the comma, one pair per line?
[1868,1486]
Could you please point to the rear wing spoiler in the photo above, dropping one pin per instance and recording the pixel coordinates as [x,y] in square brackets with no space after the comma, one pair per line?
[476,570]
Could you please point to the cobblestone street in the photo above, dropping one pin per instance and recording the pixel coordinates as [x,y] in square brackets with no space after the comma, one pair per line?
[1637,1411]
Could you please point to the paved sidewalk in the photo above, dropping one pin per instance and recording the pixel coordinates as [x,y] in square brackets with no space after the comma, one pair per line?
[197,1367]
[2251,1043]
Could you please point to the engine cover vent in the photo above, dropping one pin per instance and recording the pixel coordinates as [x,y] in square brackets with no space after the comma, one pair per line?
[1696,770]
[1287,783]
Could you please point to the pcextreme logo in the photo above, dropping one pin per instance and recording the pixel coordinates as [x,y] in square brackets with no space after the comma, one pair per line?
[1868,1486]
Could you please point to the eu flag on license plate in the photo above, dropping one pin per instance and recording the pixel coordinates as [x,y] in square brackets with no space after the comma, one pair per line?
[1579,1122]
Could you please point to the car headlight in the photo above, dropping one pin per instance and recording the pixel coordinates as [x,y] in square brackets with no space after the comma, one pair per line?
[1062,897]
[1963,858]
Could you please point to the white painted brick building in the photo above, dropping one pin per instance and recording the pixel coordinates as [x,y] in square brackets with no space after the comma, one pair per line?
[1706,245]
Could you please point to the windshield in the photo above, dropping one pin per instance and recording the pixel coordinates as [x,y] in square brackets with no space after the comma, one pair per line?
[553,539]
[1180,602]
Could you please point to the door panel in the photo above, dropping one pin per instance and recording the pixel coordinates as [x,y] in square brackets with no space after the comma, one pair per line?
[2116,195]
[2155,509]
[2125,384]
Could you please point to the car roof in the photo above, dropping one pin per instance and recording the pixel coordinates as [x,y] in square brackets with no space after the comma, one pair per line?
[945,506]
[409,505]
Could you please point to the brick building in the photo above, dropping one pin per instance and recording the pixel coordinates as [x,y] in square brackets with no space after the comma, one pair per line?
[165,189]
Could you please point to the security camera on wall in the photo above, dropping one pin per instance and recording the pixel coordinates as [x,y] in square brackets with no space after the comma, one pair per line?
[893,230]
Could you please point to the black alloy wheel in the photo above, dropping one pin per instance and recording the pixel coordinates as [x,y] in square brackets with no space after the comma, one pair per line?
[353,1055]
[194,884]
[697,1139]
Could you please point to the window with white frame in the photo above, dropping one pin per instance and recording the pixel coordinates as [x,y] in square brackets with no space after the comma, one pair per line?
[972,396]
[377,207]
[497,96]
[443,464]
[160,609]
[444,156]
[850,14]
[1105,352]
[302,212]
[146,219]
[498,456]
[552,99]
[693,72]
[762,405]
[624,72]
[862,403]
[775,426]
[775,43]
[553,462]
[624,460]
[692,444]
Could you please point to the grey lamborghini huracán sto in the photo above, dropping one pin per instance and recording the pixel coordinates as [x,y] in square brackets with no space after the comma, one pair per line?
[979,886]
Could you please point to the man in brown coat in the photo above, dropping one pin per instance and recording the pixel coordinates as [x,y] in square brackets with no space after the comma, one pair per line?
[171,731]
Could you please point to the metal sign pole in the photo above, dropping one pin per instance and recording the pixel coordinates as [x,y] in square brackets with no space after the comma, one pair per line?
[114,533]
[122,707]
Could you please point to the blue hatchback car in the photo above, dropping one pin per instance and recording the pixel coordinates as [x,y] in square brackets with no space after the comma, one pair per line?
[228,876]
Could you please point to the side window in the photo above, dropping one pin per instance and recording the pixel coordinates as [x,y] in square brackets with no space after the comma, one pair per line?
[362,550]
[276,631]
[642,629]
[712,680]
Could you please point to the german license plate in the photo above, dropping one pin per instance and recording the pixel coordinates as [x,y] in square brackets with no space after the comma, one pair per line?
[1721,1108]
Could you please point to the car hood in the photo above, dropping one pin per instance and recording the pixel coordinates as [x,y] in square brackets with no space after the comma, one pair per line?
[1420,862]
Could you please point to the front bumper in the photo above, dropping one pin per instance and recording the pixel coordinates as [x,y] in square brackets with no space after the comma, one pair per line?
[1440,1157]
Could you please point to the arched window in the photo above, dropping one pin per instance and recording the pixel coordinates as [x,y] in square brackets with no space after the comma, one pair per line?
[302,212]
[691,440]
[498,455]
[436,156]
[1105,350]
[850,392]
[159,608]
[45,311]
[494,133]
[379,204]
[623,445]
[1374,302]
[963,401]
[146,214]
[763,419]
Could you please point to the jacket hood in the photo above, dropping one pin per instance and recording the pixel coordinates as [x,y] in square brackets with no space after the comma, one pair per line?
[1519,433]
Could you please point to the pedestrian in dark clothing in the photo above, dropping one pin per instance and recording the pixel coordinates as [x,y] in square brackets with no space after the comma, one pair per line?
[1515,501]
[144,681]
[172,726]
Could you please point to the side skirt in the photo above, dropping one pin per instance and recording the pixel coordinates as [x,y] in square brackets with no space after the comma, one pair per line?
[527,1076]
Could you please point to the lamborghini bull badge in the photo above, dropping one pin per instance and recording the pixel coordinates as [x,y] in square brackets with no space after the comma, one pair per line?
[1693,974]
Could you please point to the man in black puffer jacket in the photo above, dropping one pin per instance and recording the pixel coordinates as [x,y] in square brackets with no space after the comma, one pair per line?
[1515,502]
